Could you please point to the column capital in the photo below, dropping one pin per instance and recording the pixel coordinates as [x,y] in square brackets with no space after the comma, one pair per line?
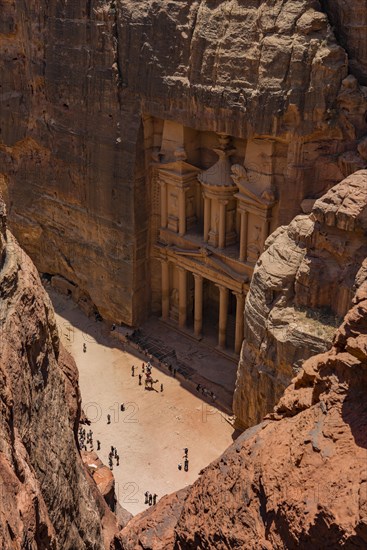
[223,202]
[221,287]
[181,269]
[197,276]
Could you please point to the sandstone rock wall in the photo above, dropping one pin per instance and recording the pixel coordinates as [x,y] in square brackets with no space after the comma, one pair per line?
[77,79]
[298,479]
[47,500]
[301,288]
[350,23]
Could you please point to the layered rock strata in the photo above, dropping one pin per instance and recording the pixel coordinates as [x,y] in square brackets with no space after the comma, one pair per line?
[298,479]
[301,288]
[47,499]
[86,87]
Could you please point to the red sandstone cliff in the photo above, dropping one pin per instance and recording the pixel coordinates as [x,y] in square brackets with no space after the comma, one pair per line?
[299,478]
[300,291]
[80,78]
[47,500]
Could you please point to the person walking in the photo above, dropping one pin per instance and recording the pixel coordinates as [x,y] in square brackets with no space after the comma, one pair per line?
[122,407]
[154,499]
[84,348]
[133,371]
[150,499]
[117,460]
[146,494]
[186,465]
[161,388]
[140,376]
[108,419]
[98,445]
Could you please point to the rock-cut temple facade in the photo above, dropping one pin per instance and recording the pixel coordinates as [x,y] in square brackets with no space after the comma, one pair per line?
[209,226]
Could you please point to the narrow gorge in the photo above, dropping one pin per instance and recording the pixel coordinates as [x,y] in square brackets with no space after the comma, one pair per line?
[190,177]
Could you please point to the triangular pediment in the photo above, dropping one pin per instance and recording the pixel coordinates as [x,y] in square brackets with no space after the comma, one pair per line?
[179,167]
[249,191]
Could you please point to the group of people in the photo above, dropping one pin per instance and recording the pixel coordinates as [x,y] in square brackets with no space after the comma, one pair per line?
[112,455]
[150,499]
[147,370]
[186,460]
[206,392]
[86,439]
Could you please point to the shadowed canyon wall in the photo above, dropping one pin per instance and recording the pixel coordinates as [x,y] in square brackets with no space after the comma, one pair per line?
[47,499]
[83,81]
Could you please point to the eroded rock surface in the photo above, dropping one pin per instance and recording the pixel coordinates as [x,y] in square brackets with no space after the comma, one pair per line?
[47,499]
[298,479]
[301,288]
[80,78]
[350,21]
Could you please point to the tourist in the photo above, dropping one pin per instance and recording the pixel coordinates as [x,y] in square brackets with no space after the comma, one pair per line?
[122,407]
[198,387]
[186,465]
[117,460]
[186,451]
[98,445]
[161,388]
[108,419]
[146,494]
[113,326]
[154,499]
[179,466]
[84,348]
[112,450]
[142,367]
[150,499]
[140,376]
[133,371]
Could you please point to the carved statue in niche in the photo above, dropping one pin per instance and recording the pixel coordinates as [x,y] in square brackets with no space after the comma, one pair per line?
[190,206]
[173,202]
[174,304]
[174,297]
[254,244]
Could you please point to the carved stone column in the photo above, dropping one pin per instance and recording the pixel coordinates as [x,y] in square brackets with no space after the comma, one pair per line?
[182,297]
[181,212]
[207,216]
[164,215]
[222,224]
[165,290]
[223,315]
[240,306]
[198,306]
[243,236]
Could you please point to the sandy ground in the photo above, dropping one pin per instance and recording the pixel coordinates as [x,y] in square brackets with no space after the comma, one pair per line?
[156,426]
